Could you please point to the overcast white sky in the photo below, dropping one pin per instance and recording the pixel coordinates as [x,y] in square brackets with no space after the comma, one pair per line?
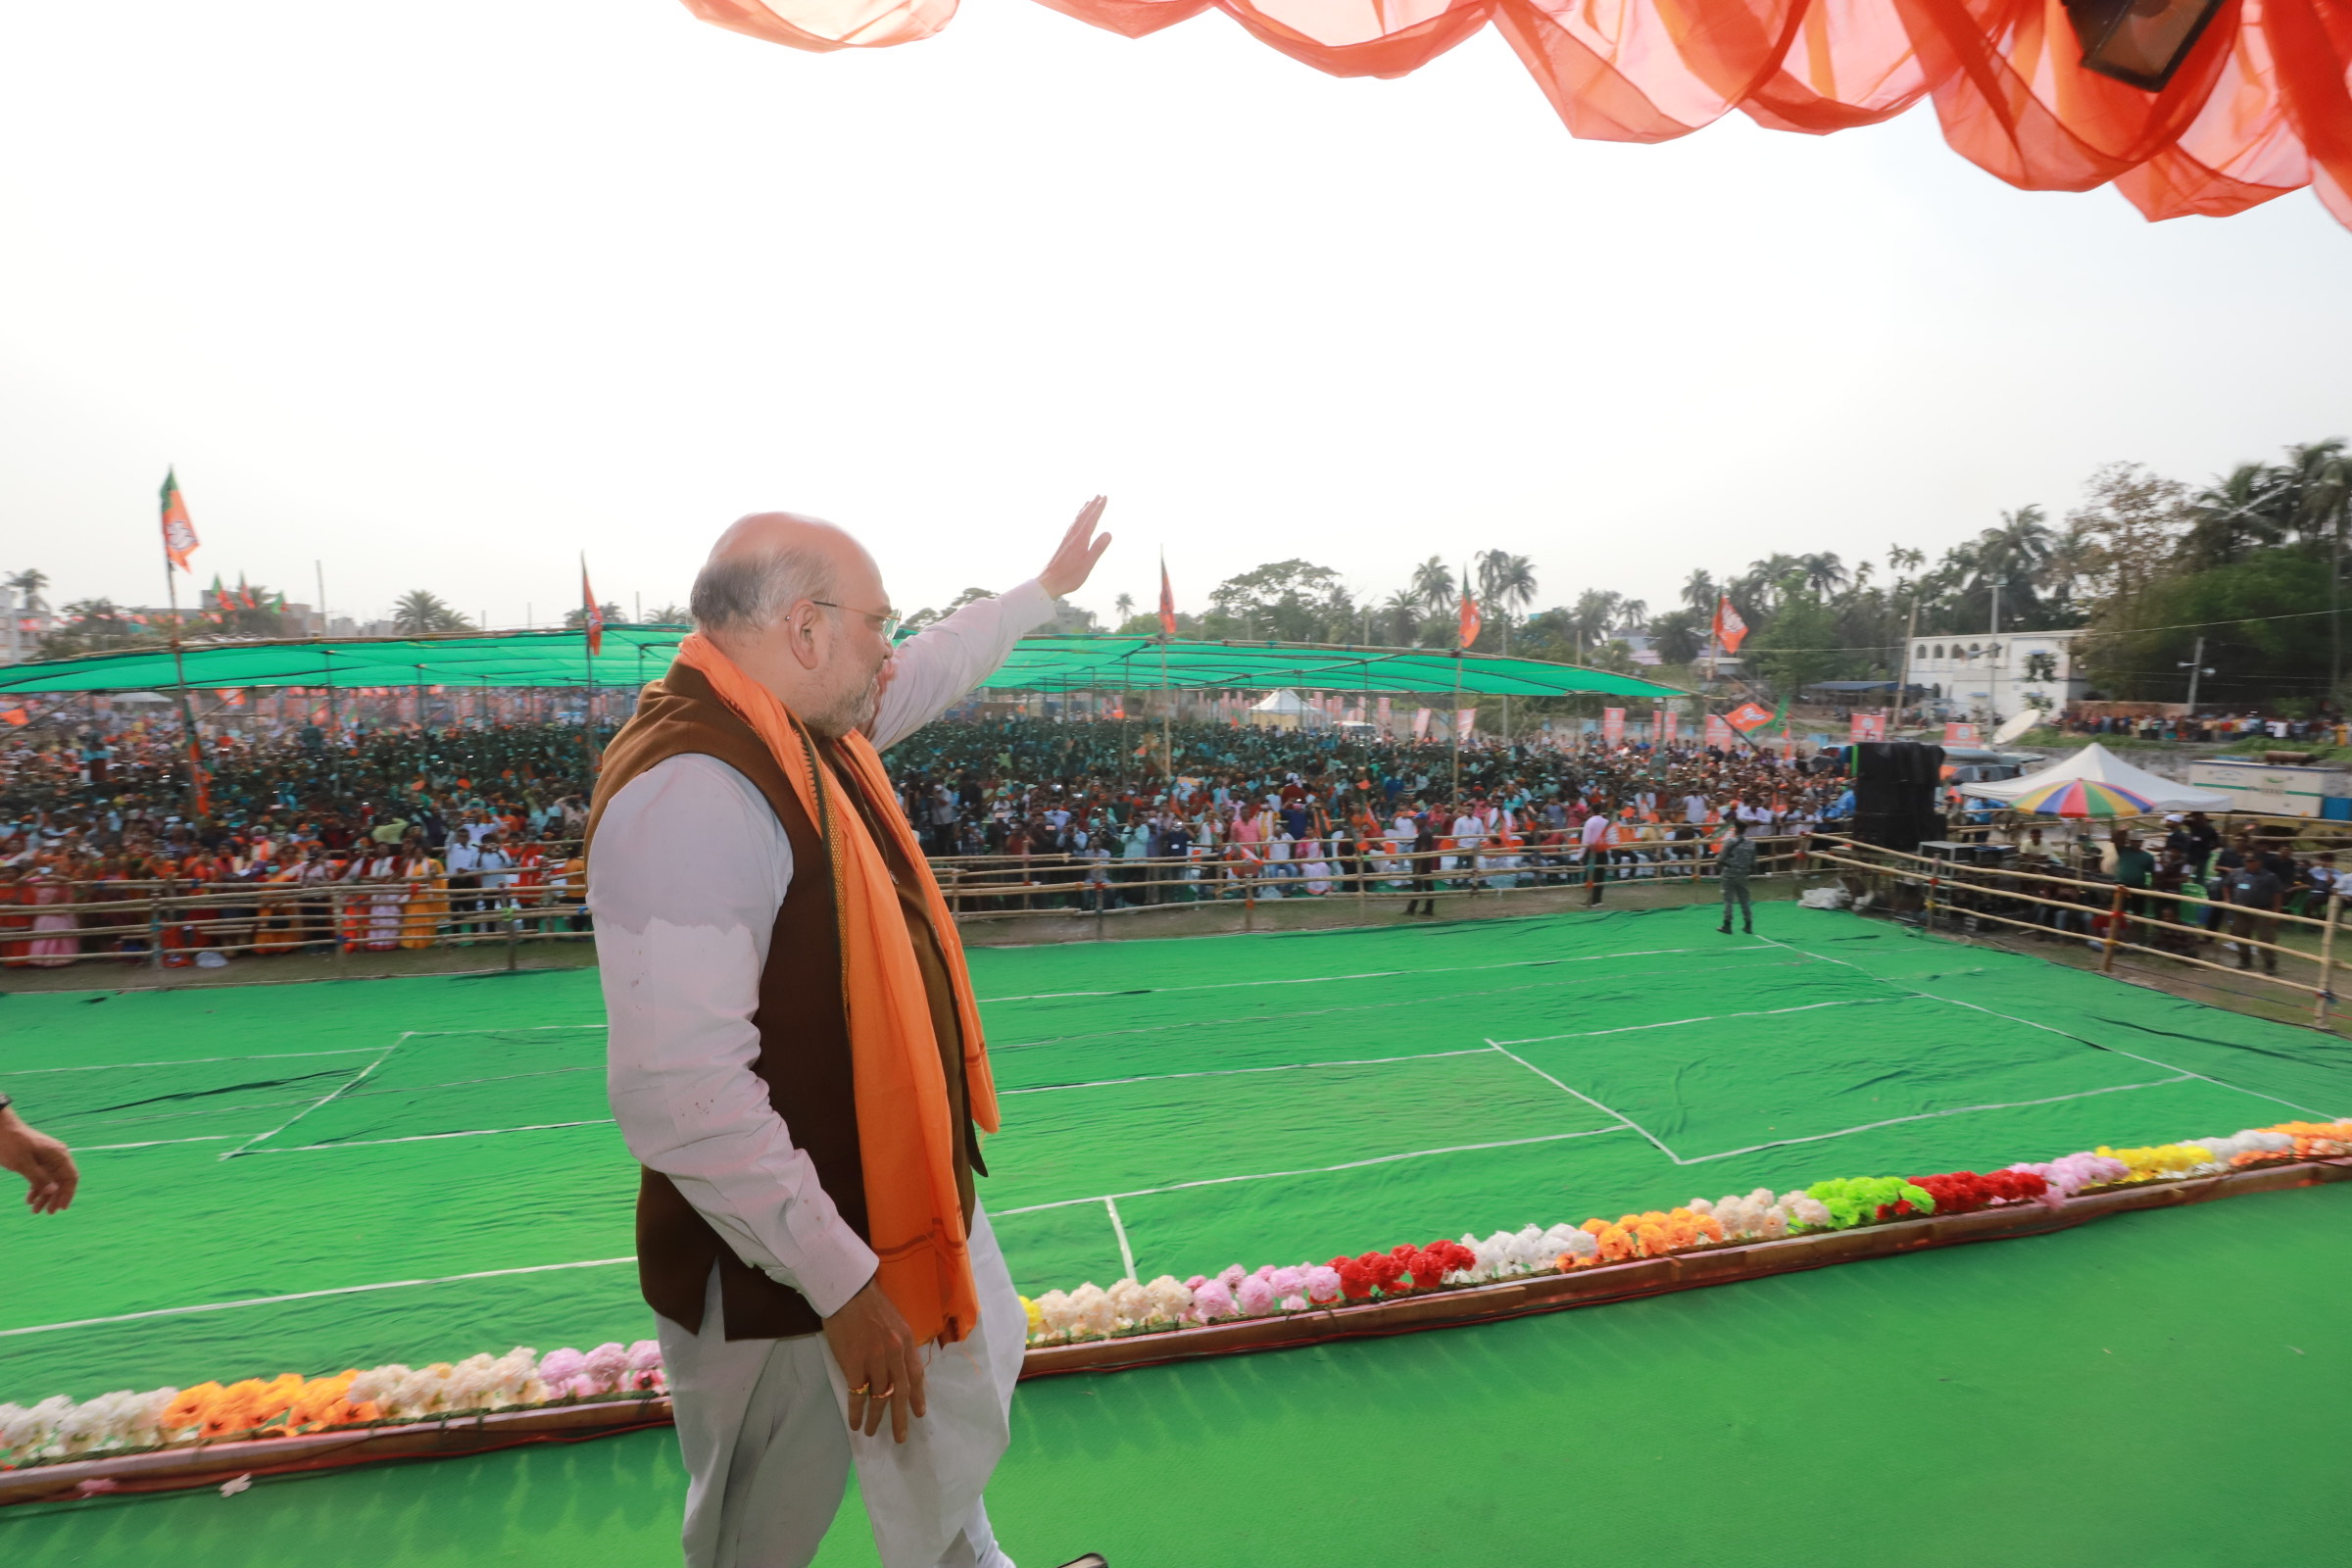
[445,293]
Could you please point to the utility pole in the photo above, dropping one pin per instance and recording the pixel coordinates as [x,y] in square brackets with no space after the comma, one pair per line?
[1910,636]
[319,570]
[2197,668]
[1992,653]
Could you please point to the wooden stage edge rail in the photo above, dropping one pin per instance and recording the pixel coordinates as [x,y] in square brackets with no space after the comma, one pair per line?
[219,1463]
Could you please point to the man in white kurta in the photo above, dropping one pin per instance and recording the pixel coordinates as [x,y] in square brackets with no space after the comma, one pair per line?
[689,870]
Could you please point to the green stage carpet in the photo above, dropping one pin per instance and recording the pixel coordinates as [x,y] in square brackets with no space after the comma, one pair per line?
[2157,1390]
[420,1169]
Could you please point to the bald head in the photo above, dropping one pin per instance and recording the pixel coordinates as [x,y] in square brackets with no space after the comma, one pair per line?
[798,605]
[768,561]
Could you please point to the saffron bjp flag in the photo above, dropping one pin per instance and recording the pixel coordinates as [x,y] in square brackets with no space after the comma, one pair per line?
[1719,733]
[1729,630]
[180,534]
[1468,619]
[1748,716]
[15,716]
[591,617]
[1167,602]
[1612,727]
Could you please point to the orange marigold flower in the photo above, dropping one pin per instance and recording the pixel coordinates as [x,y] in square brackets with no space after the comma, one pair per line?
[191,1408]
[1616,1243]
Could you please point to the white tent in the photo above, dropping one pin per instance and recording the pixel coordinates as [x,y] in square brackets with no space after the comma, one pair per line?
[2100,765]
[1285,708]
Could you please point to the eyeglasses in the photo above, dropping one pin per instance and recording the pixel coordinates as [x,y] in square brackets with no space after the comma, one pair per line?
[887,621]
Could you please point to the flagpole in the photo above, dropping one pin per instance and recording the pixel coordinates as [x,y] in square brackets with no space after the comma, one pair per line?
[187,721]
[1168,745]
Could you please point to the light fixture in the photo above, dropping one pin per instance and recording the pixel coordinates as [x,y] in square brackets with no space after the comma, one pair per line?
[2142,43]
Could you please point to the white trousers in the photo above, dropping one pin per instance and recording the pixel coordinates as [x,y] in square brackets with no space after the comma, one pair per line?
[764,1428]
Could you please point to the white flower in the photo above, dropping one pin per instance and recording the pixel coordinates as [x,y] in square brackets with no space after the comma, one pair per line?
[1053,1310]
[376,1384]
[1130,1303]
[1582,1244]
[1169,1298]
[1700,1205]
[1091,1309]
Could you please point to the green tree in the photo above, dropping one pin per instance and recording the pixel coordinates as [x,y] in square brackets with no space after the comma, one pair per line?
[576,619]
[1285,601]
[98,626]
[420,612]
[1679,636]
[1800,645]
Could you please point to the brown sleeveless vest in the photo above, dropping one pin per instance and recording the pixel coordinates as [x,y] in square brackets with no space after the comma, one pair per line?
[803,1023]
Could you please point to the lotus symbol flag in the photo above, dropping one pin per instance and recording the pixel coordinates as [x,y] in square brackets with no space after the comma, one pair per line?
[1730,629]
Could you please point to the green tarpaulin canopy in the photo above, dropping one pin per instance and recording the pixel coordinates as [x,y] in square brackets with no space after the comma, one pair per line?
[633,654]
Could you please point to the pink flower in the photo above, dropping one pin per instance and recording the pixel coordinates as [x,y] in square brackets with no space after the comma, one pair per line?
[1196,1282]
[1293,1303]
[607,1366]
[1232,1275]
[1213,1300]
[1256,1295]
[557,1369]
[1322,1283]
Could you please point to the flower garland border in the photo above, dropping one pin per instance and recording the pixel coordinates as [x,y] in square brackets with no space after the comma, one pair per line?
[185,1466]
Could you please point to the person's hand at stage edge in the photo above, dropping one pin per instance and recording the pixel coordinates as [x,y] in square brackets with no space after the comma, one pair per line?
[47,1168]
[878,1355]
[1074,562]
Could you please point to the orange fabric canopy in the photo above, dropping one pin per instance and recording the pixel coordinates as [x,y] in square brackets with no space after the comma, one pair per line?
[2261,106]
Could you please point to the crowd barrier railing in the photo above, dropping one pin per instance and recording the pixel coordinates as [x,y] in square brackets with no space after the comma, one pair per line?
[1961,892]
[170,925]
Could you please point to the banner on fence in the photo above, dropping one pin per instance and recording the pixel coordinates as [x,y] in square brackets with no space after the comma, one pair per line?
[1719,732]
[1869,727]
[1384,712]
[1612,727]
[1961,735]
[1667,722]
[1465,720]
[1420,722]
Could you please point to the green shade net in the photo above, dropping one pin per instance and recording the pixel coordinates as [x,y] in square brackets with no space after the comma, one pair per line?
[634,654]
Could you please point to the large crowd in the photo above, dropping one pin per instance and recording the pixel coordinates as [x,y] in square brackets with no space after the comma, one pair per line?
[309,838]
[301,837]
[446,823]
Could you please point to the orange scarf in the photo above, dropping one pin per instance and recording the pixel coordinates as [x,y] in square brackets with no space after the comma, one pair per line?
[905,1138]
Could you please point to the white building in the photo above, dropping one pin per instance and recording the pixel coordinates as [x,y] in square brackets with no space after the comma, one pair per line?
[1988,678]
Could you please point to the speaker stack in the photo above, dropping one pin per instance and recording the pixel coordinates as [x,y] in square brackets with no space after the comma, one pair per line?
[1894,792]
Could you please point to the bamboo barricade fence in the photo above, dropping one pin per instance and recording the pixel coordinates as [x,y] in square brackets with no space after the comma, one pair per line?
[2116,903]
[341,916]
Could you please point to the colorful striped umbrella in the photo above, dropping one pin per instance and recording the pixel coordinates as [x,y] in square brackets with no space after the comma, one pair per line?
[2082,797]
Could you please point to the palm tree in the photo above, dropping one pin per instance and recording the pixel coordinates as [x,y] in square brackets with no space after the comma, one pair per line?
[1123,607]
[670,616]
[2326,507]
[1824,572]
[1699,592]
[1633,615]
[1903,558]
[1506,581]
[419,611]
[1432,585]
[1677,636]
[29,582]
[1401,618]
[1594,613]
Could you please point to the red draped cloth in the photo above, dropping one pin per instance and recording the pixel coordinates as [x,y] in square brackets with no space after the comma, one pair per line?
[2261,106]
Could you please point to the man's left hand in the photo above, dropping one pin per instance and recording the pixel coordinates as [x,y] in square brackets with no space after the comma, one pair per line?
[1074,562]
